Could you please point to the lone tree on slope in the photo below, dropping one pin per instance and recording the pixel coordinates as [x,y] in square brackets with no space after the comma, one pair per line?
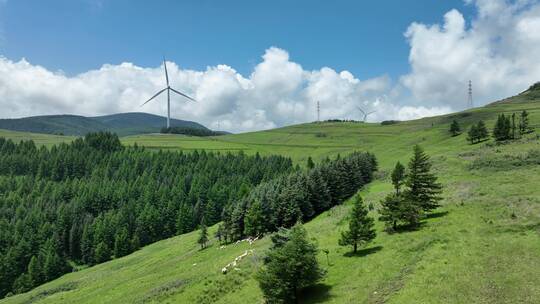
[455,129]
[423,188]
[290,266]
[360,227]
[203,236]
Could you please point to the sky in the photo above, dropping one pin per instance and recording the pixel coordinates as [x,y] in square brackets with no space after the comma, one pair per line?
[255,65]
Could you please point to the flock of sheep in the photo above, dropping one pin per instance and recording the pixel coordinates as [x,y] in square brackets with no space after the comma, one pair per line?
[232,265]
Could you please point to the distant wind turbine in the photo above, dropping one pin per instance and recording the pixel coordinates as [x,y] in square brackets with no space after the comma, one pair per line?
[168,89]
[365,113]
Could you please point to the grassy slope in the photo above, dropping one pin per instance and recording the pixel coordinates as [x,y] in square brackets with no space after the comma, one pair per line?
[40,139]
[472,251]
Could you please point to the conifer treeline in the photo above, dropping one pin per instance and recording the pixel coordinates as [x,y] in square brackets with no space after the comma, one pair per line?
[299,196]
[93,199]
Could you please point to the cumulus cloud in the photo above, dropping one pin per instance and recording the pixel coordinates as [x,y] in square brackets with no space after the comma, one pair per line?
[278,92]
[497,51]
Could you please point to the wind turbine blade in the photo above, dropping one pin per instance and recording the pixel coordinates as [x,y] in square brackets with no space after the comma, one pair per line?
[179,93]
[166,74]
[154,96]
[372,112]
[361,110]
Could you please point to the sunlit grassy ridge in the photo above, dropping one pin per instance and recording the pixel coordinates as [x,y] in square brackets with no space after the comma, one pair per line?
[482,246]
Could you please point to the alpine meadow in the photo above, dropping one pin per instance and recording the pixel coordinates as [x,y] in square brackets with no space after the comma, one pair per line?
[399,163]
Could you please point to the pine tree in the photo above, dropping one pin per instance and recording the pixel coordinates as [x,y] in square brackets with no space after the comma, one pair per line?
[254,220]
[35,272]
[391,210]
[513,126]
[454,128]
[310,163]
[290,266]
[524,123]
[396,210]
[482,130]
[360,227]
[203,235]
[102,253]
[473,134]
[502,128]
[184,222]
[398,176]
[422,185]
[54,265]
[121,243]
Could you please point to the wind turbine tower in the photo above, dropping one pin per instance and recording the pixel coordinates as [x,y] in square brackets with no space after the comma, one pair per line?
[169,90]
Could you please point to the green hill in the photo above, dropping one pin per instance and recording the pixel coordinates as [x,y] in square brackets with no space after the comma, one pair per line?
[482,246]
[122,124]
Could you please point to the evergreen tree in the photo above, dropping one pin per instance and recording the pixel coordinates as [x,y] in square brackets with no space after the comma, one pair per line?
[473,134]
[22,284]
[422,185]
[398,176]
[454,128]
[513,126]
[396,210]
[102,253]
[254,220]
[203,235]
[135,243]
[54,265]
[35,272]
[220,234]
[310,163]
[290,266]
[524,123]
[87,252]
[185,219]
[360,226]
[502,128]
[482,130]
[122,245]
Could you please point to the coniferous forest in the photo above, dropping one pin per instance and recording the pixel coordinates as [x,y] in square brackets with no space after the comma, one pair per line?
[92,200]
[298,196]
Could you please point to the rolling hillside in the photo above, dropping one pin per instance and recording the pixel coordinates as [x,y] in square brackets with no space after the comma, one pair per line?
[122,124]
[482,246]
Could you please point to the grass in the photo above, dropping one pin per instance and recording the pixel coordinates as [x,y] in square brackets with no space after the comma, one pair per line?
[40,139]
[482,245]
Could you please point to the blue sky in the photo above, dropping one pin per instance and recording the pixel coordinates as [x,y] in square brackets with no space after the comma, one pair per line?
[364,37]
[256,65]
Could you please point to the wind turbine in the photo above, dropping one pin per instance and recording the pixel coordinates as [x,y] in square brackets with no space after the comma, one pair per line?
[168,89]
[365,113]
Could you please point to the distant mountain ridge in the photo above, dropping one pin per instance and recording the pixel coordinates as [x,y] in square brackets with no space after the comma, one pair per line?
[123,124]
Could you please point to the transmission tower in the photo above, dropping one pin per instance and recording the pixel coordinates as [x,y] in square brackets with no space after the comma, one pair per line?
[470,101]
[318,111]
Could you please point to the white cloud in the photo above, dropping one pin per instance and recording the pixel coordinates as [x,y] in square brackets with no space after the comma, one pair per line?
[497,51]
[277,93]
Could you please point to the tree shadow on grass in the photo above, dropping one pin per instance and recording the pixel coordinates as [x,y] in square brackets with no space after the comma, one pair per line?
[364,252]
[318,293]
[407,228]
[436,214]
